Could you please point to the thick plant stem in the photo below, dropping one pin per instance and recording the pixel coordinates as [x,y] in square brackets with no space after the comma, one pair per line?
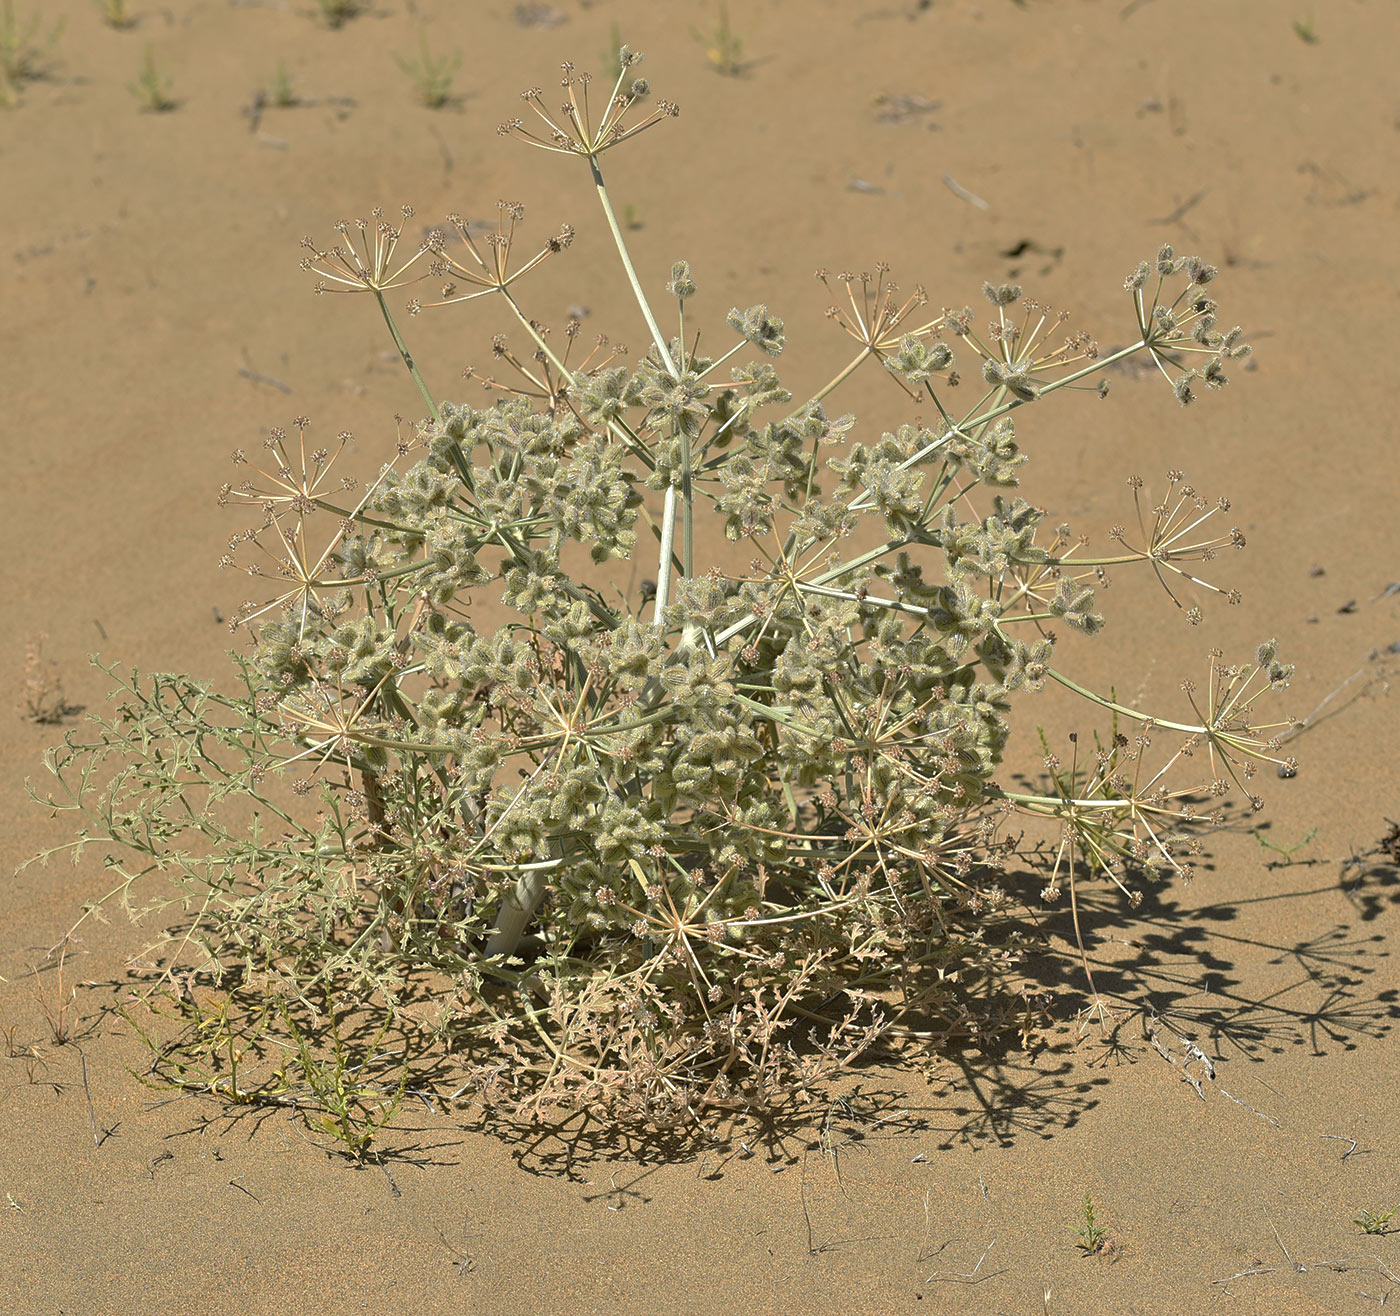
[663,575]
[407,357]
[517,909]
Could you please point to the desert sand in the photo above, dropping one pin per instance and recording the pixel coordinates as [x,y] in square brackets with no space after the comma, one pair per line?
[154,318]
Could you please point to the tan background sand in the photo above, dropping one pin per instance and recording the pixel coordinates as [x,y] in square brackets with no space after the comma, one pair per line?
[143,258]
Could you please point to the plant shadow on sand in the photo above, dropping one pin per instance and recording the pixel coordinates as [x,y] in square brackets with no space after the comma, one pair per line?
[1201,976]
[1213,980]
[1199,983]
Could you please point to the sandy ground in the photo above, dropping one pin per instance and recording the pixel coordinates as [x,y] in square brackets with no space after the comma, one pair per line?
[150,296]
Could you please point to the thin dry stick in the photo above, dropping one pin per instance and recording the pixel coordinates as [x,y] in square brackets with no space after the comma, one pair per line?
[1298,1266]
[1242,1274]
[1181,210]
[806,1215]
[56,1018]
[928,1225]
[1268,1119]
[959,191]
[87,1092]
[1338,1137]
[968,1276]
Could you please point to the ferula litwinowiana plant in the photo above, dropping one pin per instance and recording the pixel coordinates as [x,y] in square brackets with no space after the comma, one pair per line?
[693,851]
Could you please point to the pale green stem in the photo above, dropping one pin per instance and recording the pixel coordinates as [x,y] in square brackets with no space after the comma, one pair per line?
[1050,804]
[617,427]
[663,575]
[407,357]
[715,365]
[1090,369]
[875,601]
[1102,561]
[840,378]
[657,337]
[517,909]
[1121,708]
[836,572]
[537,336]
[668,520]
[688,522]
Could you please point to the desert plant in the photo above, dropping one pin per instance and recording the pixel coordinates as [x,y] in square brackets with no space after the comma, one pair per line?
[280,91]
[336,13]
[115,14]
[351,1109]
[24,50]
[1305,29]
[1375,1222]
[42,699]
[1091,1234]
[225,1037]
[431,74]
[724,47]
[54,1006]
[674,853]
[152,88]
[1283,849]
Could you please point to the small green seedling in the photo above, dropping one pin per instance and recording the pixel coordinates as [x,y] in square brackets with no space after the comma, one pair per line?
[432,75]
[23,51]
[1306,30]
[350,1109]
[1374,1222]
[336,13]
[1285,851]
[1090,1233]
[152,88]
[221,1045]
[279,88]
[723,46]
[115,14]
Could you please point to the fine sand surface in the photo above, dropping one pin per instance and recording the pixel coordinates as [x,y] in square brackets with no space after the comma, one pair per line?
[150,297]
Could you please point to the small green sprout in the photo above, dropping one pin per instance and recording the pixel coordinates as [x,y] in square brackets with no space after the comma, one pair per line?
[723,46]
[336,13]
[1374,1222]
[1284,850]
[279,88]
[152,88]
[1090,1233]
[115,14]
[23,51]
[432,75]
